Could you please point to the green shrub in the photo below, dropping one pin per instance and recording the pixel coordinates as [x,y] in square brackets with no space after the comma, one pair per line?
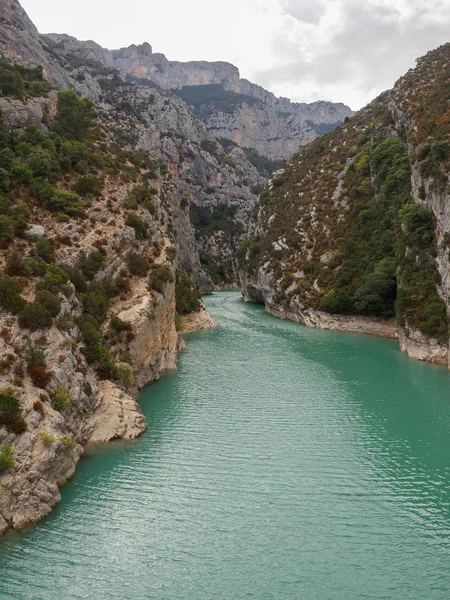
[95,305]
[106,368]
[77,279]
[137,264]
[68,443]
[159,277]
[66,202]
[139,226]
[22,174]
[34,353]
[34,316]
[47,439]
[6,458]
[4,180]
[6,228]
[140,195]
[49,301]
[61,398]
[118,325]
[90,330]
[9,406]
[88,185]
[44,249]
[187,298]
[10,298]
[125,375]
[75,116]
[91,264]
[33,267]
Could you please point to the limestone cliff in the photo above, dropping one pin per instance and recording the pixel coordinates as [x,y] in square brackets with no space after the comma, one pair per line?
[230,107]
[94,235]
[356,225]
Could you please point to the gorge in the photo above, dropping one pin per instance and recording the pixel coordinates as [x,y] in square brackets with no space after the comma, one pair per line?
[130,187]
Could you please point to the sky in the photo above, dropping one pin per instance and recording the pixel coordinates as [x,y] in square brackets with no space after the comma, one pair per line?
[339,50]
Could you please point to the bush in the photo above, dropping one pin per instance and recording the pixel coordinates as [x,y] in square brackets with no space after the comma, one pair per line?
[139,226]
[137,264]
[6,458]
[159,277]
[33,267]
[6,228]
[140,195]
[34,353]
[49,301]
[66,202]
[10,298]
[117,324]
[88,186]
[61,398]
[4,180]
[187,298]
[9,406]
[34,316]
[75,116]
[125,375]
[91,264]
[44,249]
[90,331]
[39,374]
[18,425]
[47,439]
[107,368]
[95,305]
[68,443]
[377,294]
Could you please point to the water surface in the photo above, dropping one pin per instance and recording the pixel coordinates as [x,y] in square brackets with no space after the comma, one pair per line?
[281,463]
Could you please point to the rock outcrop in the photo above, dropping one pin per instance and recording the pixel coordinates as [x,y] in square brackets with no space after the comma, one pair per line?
[231,107]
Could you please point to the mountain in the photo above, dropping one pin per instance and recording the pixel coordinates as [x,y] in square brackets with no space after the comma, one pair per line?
[231,107]
[353,232]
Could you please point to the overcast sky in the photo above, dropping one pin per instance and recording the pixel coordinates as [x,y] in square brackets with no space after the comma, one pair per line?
[340,50]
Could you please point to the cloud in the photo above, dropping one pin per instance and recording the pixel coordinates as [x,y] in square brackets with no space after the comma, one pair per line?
[341,50]
[356,49]
[304,10]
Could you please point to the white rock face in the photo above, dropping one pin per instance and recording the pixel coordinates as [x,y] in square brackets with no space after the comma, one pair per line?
[198,321]
[275,127]
[117,416]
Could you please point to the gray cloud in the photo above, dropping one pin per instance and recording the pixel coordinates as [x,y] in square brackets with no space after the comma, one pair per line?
[304,10]
[371,46]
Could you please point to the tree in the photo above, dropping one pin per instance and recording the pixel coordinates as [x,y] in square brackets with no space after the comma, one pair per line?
[75,116]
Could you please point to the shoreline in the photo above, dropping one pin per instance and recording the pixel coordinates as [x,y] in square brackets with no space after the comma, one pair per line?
[416,345]
[117,416]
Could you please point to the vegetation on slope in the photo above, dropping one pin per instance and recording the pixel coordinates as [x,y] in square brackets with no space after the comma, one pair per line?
[208,99]
[339,231]
[59,176]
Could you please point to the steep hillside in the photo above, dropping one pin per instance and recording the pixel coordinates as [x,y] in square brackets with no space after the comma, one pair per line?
[354,230]
[203,173]
[230,107]
[99,264]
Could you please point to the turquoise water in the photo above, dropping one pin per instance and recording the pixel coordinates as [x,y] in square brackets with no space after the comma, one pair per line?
[281,463]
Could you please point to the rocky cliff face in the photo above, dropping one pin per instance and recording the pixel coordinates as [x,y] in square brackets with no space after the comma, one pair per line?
[230,107]
[356,225]
[107,261]
[205,175]
[20,41]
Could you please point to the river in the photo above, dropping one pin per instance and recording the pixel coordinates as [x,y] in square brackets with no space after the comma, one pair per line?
[281,462]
